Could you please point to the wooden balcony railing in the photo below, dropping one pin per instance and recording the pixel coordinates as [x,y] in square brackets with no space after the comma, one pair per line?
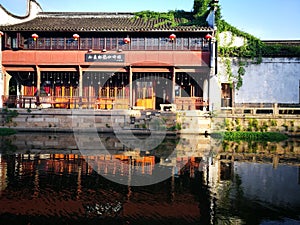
[136,44]
[65,102]
[182,103]
[190,103]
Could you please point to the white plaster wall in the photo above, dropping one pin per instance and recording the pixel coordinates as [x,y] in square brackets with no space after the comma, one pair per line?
[275,80]
[33,9]
[214,93]
[226,39]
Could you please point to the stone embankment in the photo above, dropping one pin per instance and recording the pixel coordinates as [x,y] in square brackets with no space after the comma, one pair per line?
[288,124]
[63,120]
[144,122]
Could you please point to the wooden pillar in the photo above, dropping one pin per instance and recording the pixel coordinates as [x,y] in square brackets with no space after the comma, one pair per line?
[130,88]
[107,92]
[100,92]
[173,85]
[38,81]
[80,81]
[116,92]
[80,86]
[63,91]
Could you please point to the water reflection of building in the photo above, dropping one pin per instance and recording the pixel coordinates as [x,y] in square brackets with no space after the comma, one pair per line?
[174,152]
[3,175]
[240,184]
[46,183]
[64,184]
[278,186]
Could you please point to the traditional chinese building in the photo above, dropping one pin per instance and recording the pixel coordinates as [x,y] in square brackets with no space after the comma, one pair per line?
[103,61]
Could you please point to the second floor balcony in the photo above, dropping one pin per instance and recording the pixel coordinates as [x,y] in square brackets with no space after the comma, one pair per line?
[108,43]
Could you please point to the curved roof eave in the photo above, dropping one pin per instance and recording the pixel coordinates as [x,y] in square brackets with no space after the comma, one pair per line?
[99,22]
[4,29]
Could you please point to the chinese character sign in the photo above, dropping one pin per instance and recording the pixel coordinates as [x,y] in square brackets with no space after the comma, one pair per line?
[104,57]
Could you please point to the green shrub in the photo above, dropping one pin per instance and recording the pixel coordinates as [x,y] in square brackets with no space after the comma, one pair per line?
[227,124]
[6,131]
[264,127]
[238,128]
[250,136]
[9,115]
[273,123]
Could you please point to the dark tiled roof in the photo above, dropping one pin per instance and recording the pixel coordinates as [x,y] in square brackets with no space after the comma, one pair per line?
[282,42]
[110,22]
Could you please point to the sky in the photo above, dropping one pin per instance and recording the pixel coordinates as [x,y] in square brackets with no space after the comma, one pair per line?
[265,19]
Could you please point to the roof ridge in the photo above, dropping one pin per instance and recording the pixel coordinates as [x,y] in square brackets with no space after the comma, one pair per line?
[86,14]
[83,12]
[100,13]
[95,22]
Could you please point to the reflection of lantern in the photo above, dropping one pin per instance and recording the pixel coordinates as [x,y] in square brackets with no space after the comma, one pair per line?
[1,33]
[172,37]
[208,36]
[76,36]
[35,36]
[126,40]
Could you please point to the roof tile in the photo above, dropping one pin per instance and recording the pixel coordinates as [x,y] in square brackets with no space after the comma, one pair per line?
[96,22]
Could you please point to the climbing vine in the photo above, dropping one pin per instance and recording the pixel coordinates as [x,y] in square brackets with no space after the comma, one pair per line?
[280,50]
[179,17]
[171,18]
[200,11]
[251,52]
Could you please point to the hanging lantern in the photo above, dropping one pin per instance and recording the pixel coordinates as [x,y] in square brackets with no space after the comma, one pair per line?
[1,33]
[172,37]
[76,36]
[208,36]
[35,36]
[126,40]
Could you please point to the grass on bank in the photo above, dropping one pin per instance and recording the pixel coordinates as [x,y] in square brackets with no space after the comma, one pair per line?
[250,136]
[6,131]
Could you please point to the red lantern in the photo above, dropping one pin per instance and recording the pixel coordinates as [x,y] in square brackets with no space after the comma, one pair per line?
[35,36]
[1,33]
[172,37]
[126,40]
[76,36]
[208,36]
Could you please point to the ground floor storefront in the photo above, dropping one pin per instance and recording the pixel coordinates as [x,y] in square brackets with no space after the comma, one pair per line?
[140,87]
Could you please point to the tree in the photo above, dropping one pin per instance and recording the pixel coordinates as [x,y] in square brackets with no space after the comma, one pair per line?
[201,10]
[201,6]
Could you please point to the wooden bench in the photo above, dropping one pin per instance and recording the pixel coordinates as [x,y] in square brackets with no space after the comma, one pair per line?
[168,107]
[138,107]
[104,103]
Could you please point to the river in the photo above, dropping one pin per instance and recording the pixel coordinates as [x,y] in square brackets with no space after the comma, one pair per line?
[107,179]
